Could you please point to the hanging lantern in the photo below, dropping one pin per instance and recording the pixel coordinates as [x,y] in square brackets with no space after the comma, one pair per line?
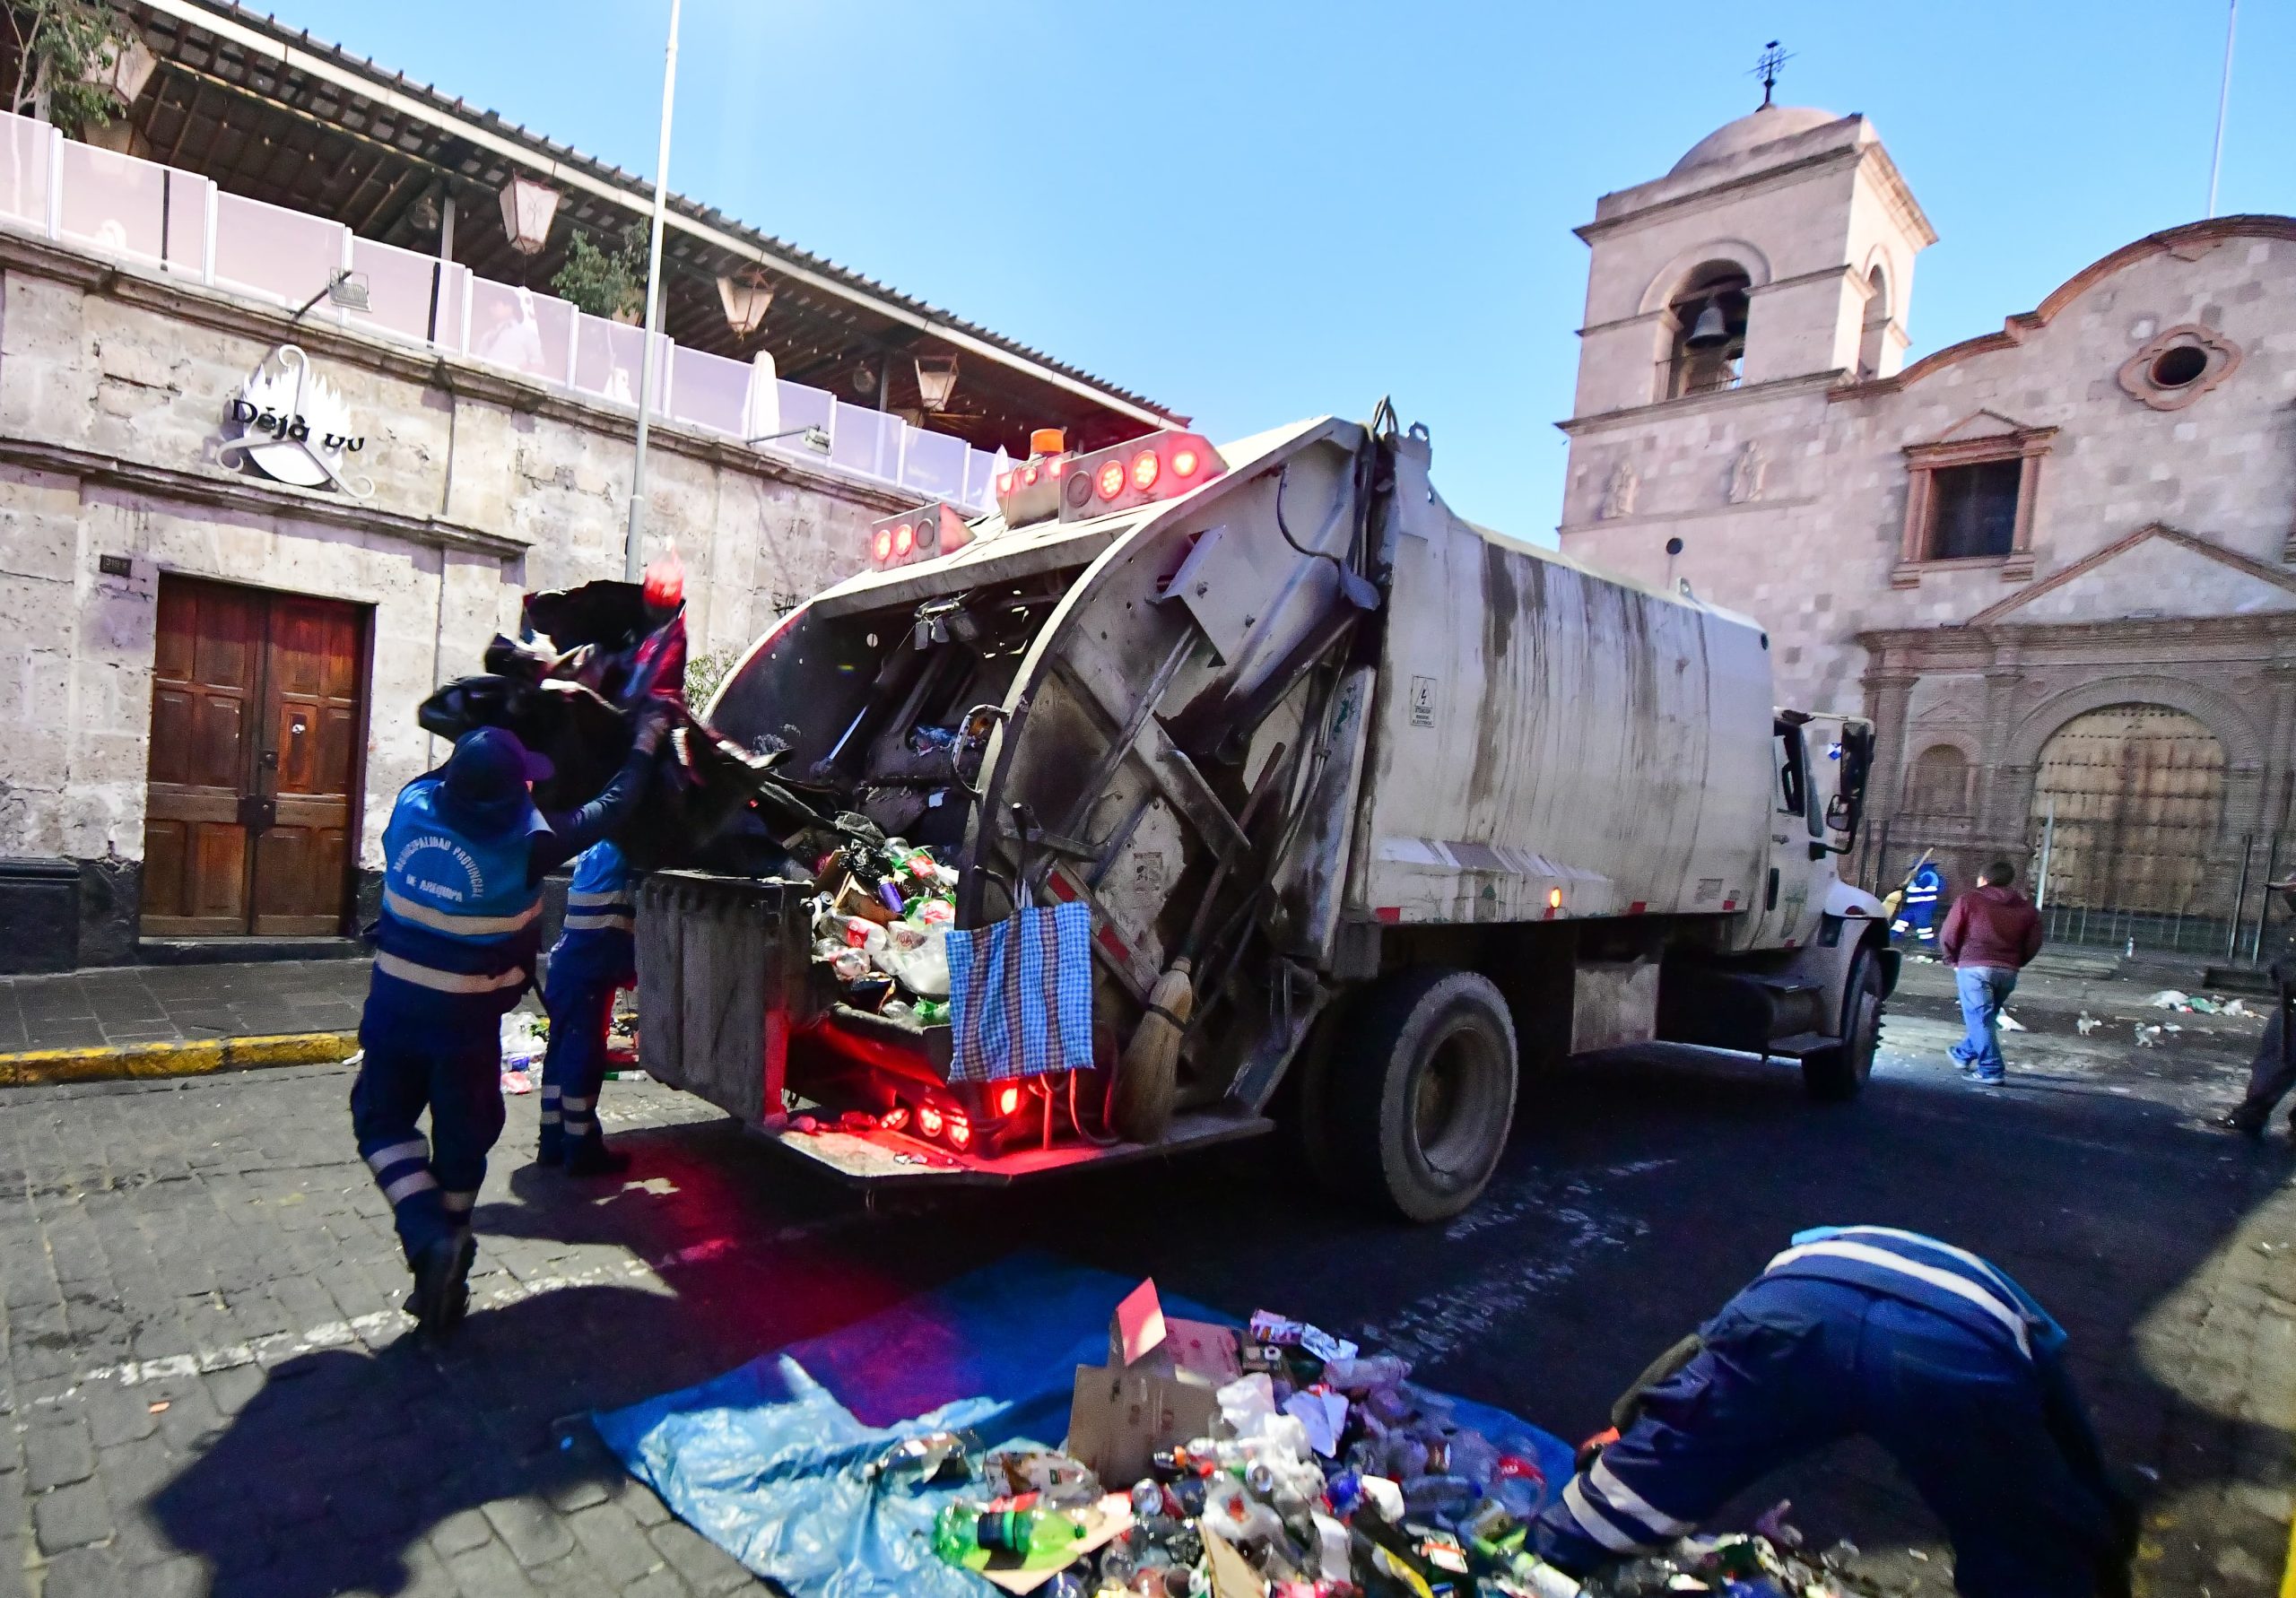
[123,65]
[937,381]
[745,294]
[527,207]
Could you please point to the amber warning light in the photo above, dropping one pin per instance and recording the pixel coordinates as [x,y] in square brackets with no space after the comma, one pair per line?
[1159,466]
[916,536]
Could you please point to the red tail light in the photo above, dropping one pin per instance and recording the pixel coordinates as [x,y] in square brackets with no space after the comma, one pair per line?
[916,535]
[1162,466]
[928,1120]
[883,544]
[1003,483]
[960,1132]
[895,1119]
[904,539]
[1029,475]
[1008,1100]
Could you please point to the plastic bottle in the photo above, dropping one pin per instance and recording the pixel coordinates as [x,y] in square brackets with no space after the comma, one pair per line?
[964,1529]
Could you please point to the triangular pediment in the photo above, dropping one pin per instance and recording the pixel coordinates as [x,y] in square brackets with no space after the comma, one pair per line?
[2155,573]
[1979,424]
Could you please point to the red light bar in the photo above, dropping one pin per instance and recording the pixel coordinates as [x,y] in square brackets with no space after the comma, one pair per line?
[1160,466]
[916,535]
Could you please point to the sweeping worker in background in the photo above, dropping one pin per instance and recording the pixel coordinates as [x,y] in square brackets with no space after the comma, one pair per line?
[595,953]
[1933,1353]
[464,854]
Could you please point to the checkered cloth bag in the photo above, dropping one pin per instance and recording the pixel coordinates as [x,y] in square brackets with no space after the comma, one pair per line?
[1020,995]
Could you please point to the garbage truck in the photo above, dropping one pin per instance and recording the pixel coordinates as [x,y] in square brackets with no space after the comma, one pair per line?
[1377,813]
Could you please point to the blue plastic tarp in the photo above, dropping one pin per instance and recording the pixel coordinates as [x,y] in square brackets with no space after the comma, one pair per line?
[771,1460]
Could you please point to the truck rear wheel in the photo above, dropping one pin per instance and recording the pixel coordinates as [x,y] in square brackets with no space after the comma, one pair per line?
[1421,1092]
[1837,1075]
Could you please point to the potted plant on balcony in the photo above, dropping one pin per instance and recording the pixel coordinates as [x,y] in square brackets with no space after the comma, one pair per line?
[604,282]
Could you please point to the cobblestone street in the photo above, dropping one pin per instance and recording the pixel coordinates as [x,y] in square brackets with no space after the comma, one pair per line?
[208,1389]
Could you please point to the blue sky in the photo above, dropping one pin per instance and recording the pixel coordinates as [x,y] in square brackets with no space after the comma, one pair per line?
[1255,211]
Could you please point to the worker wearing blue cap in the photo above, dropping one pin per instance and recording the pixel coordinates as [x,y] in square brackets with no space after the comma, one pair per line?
[464,854]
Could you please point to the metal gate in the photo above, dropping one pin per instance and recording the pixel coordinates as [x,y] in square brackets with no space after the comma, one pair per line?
[2126,814]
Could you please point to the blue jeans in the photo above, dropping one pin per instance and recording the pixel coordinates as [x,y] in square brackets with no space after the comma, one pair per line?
[1983,990]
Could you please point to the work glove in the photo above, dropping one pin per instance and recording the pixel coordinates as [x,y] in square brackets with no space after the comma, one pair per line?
[653,721]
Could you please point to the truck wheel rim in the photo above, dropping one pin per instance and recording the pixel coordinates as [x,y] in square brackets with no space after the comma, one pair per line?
[1447,1109]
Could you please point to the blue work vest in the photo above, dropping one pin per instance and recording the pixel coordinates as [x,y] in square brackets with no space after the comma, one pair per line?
[600,915]
[460,924]
[1936,1276]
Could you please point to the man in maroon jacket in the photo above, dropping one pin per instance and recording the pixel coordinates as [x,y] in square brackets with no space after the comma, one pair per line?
[1992,935]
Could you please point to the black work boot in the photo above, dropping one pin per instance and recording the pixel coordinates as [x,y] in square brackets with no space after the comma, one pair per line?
[2248,1125]
[594,1159]
[441,1285]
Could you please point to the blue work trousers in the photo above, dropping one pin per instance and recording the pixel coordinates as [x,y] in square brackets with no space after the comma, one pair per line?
[1983,991]
[432,1184]
[578,994]
[1791,1365]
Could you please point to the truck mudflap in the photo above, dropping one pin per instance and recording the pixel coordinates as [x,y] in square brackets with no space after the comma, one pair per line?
[879,1158]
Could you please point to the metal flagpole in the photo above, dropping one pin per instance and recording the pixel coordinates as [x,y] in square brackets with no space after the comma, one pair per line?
[2224,98]
[634,557]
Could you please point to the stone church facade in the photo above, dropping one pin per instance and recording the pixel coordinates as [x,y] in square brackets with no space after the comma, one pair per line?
[2057,564]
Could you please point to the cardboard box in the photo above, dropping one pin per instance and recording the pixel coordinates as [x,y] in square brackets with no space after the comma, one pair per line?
[1118,1419]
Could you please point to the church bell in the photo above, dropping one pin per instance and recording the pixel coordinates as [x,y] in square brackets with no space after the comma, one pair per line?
[1709,331]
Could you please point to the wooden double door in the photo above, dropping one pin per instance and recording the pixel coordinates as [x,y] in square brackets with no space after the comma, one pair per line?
[258,725]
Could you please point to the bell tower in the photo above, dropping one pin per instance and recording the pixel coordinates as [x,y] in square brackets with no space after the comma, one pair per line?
[1778,249]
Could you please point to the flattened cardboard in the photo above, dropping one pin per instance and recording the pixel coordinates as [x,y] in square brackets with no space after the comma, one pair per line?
[1193,1350]
[1117,1419]
[1139,1325]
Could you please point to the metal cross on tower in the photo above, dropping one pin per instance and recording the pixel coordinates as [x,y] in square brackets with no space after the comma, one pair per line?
[1766,68]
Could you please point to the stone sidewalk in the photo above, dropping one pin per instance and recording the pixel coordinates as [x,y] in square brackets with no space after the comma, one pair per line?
[124,1005]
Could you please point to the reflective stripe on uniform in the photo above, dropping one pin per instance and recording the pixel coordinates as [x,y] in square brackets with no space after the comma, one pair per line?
[447,981]
[550,1118]
[1617,1495]
[412,1183]
[569,1102]
[382,1160]
[1881,1259]
[467,926]
[1592,1521]
[600,923]
[592,901]
[458,1203]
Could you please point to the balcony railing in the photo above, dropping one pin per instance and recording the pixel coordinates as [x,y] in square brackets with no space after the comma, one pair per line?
[180,223]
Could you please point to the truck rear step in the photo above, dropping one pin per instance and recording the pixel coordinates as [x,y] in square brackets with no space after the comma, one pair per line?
[871,1159]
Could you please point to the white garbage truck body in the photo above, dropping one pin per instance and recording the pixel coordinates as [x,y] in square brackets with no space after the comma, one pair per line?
[1413,808]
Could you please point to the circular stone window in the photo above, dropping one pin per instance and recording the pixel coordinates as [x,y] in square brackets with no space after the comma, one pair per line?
[2179,367]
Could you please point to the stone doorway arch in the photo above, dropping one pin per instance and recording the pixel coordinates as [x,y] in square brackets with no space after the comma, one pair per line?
[2137,791]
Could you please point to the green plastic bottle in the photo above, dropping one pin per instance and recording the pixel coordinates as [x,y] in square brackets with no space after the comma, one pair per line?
[964,1529]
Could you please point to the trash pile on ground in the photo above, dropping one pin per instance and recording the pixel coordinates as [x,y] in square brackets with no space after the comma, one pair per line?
[880,918]
[2184,1003]
[1282,1463]
[526,1039]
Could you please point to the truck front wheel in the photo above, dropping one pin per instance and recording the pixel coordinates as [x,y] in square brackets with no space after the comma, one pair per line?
[1835,1074]
[1421,1092]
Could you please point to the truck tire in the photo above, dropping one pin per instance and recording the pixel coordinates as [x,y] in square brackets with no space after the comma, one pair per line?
[1837,1075]
[1421,1092]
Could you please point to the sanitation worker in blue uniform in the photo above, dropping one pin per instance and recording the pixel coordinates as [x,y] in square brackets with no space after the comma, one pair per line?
[464,852]
[1932,1352]
[1917,919]
[595,953]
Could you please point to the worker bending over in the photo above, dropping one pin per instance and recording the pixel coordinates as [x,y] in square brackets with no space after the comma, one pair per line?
[595,953]
[464,852]
[1932,1352]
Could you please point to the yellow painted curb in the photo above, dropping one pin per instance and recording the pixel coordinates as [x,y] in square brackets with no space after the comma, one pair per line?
[202,1057]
